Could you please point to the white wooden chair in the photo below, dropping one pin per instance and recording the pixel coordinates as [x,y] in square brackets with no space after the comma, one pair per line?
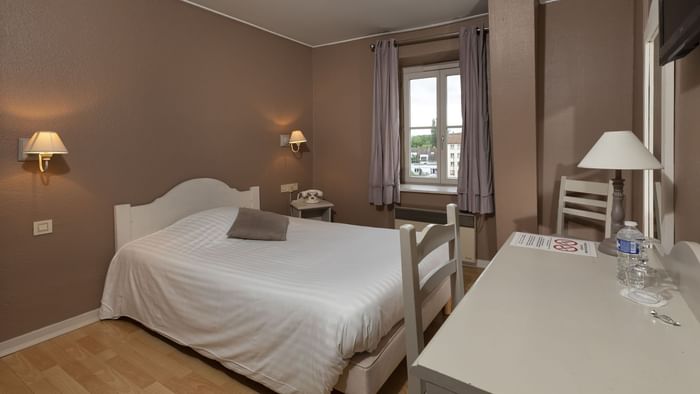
[581,205]
[414,293]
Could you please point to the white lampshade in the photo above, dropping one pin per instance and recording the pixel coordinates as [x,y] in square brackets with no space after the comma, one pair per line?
[45,142]
[297,137]
[619,150]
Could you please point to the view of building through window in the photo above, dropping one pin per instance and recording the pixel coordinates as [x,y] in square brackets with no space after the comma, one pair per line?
[433,133]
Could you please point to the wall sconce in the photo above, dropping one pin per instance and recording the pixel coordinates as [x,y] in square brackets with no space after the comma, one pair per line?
[45,144]
[296,139]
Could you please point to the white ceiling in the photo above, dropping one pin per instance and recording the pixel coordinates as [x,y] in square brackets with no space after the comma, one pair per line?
[320,22]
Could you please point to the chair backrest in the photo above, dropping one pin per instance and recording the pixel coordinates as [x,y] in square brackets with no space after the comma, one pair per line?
[575,200]
[414,293]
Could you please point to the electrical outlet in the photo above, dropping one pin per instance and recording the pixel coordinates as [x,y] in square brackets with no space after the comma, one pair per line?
[289,187]
[42,227]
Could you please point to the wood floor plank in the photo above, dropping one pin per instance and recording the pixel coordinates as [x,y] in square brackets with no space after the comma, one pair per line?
[87,378]
[138,348]
[134,374]
[61,350]
[107,354]
[92,345]
[39,358]
[84,367]
[157,388]
[118,382]
[11,383]
[63,382]
[31,376]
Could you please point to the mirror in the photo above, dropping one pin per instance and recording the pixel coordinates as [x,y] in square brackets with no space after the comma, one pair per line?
[656,144]
[659,95]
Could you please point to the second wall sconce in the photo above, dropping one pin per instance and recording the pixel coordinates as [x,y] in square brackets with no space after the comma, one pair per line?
[45,144]
[294,140]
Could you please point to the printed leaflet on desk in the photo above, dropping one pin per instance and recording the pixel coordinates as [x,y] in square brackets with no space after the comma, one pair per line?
[554,244]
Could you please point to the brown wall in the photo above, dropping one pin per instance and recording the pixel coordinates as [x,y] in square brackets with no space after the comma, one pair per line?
[586,85]
[145,94]
[342,96]
[513,109]
[687,141]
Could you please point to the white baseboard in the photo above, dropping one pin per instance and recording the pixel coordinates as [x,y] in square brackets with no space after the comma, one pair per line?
[45,333]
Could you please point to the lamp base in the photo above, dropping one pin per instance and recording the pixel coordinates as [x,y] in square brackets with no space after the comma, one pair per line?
[608,246]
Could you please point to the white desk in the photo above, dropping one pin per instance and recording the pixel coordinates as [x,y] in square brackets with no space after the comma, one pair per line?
[540,322]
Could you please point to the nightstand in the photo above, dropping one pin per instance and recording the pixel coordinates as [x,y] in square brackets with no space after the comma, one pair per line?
[303,209]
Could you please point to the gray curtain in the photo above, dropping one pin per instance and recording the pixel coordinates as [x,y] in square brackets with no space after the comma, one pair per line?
[475,178]
[385,157]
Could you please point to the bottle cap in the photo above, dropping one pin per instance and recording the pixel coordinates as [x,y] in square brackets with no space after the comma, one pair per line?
[630,223]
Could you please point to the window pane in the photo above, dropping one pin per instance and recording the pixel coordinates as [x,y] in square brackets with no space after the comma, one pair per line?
[423,153]
[423,102]
[454,101]
[454,143]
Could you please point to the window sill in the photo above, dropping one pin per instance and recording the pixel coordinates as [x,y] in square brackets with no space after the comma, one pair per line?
[430,189]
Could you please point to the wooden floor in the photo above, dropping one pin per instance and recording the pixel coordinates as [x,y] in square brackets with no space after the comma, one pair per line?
[120,356]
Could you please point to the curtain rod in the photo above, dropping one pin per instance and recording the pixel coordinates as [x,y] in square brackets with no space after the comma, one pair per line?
[440,37]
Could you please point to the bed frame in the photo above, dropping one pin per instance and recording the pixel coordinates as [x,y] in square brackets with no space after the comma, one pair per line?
[366,372]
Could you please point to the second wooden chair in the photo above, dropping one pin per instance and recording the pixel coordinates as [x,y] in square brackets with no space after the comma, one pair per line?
[414,293]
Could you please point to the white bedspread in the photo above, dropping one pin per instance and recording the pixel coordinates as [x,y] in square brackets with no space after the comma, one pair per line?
[287,314]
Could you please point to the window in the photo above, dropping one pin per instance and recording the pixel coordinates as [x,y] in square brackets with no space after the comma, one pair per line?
[432,123]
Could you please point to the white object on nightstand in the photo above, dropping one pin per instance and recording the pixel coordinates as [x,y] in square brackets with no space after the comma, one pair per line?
[298,207]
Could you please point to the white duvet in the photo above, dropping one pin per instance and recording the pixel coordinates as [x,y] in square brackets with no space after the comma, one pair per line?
[288,314]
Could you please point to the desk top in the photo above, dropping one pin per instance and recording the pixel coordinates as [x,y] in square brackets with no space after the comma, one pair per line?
[544,322]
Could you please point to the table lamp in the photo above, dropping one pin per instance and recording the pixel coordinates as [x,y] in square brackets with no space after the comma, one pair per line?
[618,150]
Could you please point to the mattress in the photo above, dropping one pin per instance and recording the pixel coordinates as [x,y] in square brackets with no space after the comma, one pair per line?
[288,314]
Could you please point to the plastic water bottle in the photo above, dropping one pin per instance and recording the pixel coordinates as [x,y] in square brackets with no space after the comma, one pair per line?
[629,240]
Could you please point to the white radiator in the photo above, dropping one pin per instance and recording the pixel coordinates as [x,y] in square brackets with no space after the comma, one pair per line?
[420,218]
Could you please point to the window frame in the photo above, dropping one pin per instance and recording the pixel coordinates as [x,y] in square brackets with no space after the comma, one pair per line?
[440,71]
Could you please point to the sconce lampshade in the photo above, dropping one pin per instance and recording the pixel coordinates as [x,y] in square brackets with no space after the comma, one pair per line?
[297,137]
[45,143]
[619,150]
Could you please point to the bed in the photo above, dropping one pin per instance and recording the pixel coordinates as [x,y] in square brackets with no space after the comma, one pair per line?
[319,311]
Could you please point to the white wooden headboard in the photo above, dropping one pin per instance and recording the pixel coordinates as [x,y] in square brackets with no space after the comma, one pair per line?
[194,195]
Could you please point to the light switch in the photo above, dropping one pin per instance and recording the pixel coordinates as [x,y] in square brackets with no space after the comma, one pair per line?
[42,227]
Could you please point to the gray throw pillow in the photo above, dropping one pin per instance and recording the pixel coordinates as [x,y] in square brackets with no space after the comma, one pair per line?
[259,225]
